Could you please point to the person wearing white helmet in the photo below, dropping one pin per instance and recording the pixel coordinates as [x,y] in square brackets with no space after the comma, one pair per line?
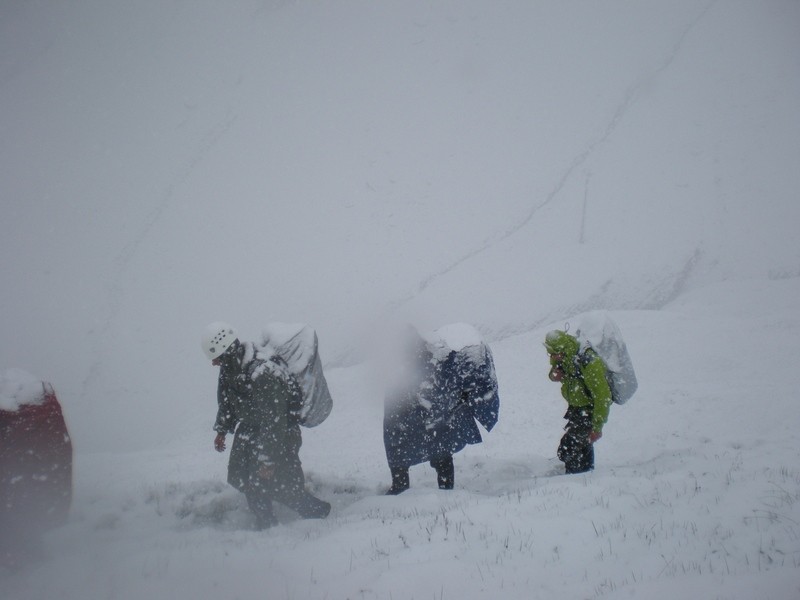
[217,338]
[260,401]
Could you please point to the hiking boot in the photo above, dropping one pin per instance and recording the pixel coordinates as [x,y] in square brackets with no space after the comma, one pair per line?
[400,481]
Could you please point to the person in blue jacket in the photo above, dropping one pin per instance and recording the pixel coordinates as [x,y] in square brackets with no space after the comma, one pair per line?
[432,414]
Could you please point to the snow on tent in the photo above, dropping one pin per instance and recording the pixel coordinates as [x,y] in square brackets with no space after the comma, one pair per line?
[475,367]
[297,344]
[597,330]
[35,463]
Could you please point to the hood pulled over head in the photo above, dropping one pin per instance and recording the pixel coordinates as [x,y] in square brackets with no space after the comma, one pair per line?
[560,342]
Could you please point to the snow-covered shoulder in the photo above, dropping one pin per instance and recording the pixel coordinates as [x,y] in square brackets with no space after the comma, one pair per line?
[18,388]
[455,336]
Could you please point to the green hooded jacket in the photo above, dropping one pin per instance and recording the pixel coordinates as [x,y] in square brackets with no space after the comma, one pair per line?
[583,381]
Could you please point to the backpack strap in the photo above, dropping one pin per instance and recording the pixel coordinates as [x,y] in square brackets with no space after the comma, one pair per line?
[584,358]
[581,360]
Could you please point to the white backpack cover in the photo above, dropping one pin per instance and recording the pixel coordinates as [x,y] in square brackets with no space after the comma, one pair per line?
[297,345]
[598,331]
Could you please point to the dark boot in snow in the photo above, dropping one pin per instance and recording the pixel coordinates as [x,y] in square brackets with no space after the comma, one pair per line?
[575,449]
[445,472]
[261,506]
[400,481]
[265,518]
[313,508]
[265,522]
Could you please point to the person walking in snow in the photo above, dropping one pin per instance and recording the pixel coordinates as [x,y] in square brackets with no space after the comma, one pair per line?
[582,376]
[260,401]
[430,413]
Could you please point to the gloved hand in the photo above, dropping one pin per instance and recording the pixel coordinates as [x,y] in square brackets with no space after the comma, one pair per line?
[219,442]
[594,436]
[556,373]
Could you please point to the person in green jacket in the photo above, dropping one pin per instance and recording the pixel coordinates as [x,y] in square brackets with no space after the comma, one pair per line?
[582,376]
[260,401]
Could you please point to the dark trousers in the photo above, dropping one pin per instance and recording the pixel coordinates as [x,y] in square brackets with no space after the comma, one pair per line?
[287,486]
[445,471]
[575,449]
[445,475]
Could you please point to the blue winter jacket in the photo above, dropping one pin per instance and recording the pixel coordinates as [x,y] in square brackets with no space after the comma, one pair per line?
[434,416]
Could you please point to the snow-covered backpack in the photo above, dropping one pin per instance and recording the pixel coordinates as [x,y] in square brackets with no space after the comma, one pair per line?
[599,333]
[297,346]
[474,368]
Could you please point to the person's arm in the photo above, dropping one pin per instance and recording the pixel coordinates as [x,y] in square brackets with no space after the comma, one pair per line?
[594,376]
[226,417]
[556,368]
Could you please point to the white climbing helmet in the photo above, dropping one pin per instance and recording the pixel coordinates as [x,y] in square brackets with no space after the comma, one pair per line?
[217,338]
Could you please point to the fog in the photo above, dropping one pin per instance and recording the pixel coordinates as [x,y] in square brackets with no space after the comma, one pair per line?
[505,164]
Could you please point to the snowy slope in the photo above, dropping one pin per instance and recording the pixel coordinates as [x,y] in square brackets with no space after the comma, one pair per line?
[505,164]
[165,165]
[696,492]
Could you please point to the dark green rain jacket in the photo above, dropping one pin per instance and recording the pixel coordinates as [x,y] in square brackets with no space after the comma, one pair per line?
[261,401]
[584,382]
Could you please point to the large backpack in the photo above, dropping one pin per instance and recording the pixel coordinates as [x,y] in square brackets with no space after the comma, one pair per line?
[599,333]
[297,345]
[474,368]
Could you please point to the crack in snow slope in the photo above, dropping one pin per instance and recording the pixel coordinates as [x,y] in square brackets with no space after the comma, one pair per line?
[619,114]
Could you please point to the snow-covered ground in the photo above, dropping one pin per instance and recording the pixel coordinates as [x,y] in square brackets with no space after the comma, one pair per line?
[504,164]
[696,492]
[508,164]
